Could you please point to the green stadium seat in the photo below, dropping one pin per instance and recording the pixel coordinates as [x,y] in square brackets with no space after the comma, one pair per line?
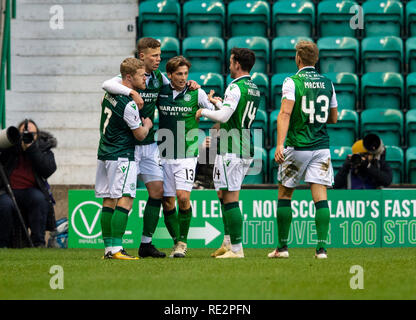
[273,167]
[346,88]
[248,18]
[382,18]
[293,18]
[262,82]
[257,174]
[334,18]
[382,90]
[411,90]
[170,48]
[338,156]
[411,165]
[159,18]
[204,18]
[261,122]
[345,130]
[283,54]
[338,54]
[411,18]
[276,88]
[382,54]
[411,128]
[411,54]
[259,45]
[205,53]
[395,158]
[273,127]
[386,123]
[209,81]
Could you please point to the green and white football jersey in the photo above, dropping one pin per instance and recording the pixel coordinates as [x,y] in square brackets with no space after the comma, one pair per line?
[243,96]
[314,95]
[119,116]
[177,115]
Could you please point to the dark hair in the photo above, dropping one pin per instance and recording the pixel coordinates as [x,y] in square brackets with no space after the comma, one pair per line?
[145,43]
[245,57]
[174,63]
[22,123]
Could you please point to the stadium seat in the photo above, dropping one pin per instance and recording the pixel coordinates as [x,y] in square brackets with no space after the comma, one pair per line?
[170,48]
[345,131]
[259,45]
[205,53]
[338,54]
[248,18]
[395,158]
[273,127]
[283,54]
[276,88]
[273,167]
[334,18]
[411,165]
[346,88]
[411,54]
[411,90]
[382,90]
[386,123]
[338,156]
[382,18]
[257,174]
[261,122]
[382,54]
[204,18]
[159,18]
[411,18]
[293,18]
[411,128]
[209,81]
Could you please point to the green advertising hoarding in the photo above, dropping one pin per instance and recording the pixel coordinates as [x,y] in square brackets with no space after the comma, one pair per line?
[359,218]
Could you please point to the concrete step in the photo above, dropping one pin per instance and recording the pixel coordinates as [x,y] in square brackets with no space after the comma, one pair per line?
[93,30]
[57,120]
[54,84]
[74,174]
[66,66]
[78,12]
[54,102]
[80,47]
[77,139]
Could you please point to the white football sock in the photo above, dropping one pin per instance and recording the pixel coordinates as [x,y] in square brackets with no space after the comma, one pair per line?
[146,239]
[236,247]
[227,240]
[116,249]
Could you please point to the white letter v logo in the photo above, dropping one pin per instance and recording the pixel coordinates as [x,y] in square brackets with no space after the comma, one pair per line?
[89,228]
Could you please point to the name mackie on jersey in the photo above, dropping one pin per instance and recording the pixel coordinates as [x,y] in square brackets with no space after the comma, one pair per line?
[315,85]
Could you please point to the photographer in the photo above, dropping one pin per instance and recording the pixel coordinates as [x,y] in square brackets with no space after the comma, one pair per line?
[366,168]
[27,165]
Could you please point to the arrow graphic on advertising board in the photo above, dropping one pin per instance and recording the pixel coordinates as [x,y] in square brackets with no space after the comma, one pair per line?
[207,233]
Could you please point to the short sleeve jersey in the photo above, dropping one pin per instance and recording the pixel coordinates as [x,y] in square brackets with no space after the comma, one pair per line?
[314,95]
[119,116]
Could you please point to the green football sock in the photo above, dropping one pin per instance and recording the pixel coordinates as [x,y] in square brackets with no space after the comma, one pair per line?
[234,220]
[184,218]
[284,219]
[322,223]
[226,230]
[118,225]
[151,216]
[106,216]
[171,222]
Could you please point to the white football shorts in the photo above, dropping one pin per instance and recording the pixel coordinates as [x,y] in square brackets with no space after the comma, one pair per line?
[178,174]
[148,163]
[229,171]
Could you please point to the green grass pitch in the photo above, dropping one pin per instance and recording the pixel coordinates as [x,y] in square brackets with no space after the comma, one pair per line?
[389,273]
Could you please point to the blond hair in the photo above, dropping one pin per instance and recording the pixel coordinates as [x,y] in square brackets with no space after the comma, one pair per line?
[130,66]
[174,63]
[308,52]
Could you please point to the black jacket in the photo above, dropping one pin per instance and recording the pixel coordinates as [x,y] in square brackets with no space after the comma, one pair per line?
[43,164]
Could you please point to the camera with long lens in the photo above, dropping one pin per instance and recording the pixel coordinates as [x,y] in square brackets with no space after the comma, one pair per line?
[27,137]
[356,160]
[9,137]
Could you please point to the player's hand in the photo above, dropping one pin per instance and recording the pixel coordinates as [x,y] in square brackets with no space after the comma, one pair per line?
[198,114]
[193,85]
[147,123]
[278,155]
[212,99]
[137,99]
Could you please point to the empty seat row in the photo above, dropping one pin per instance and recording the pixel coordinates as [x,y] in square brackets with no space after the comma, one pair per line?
[283,18]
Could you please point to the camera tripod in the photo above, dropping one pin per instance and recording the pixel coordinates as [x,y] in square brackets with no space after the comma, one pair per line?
[11,194]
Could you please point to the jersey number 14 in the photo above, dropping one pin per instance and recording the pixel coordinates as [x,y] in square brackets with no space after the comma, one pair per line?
[309,108]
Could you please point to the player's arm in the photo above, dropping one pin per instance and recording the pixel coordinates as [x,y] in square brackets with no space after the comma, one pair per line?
[283,119]
[333,108]
[115,86]
[203,100]
[139,127]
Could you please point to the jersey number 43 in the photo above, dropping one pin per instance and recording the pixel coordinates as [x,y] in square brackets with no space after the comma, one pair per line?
[317,110]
